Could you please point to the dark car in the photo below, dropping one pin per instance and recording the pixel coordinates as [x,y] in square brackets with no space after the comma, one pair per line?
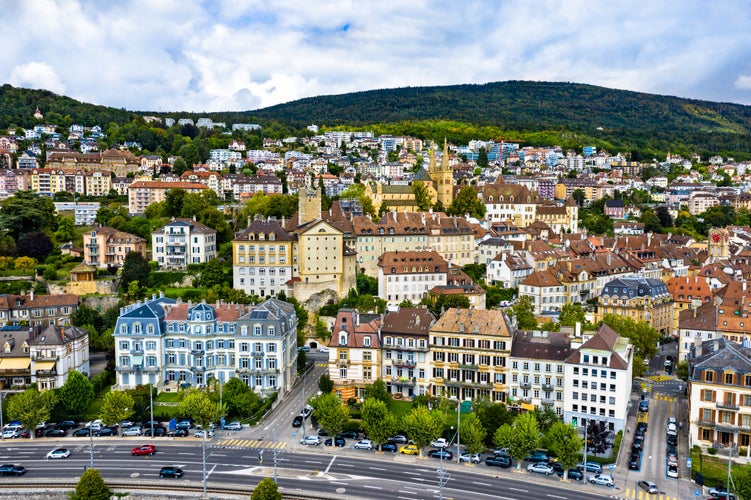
[672,440]
[389,447]
[56,433]
[498,461]
[66,424]
[350,434]
[575,474]
[637,447]
[634,463]
[538,457]
[644,405]
[638,437]
[106,432]
[81,433]
[158,432]
[399,439]
[323,432]
[12,470]
[297,421]
[337,441]
[178,433]
[441,453]
[176,472]
[641,426]
[25,434]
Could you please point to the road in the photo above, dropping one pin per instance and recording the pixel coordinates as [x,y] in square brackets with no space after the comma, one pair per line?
[350,474]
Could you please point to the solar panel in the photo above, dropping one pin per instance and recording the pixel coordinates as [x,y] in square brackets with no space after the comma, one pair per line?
[259,315]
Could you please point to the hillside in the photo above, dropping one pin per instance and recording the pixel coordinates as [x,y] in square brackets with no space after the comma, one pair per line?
[535,112]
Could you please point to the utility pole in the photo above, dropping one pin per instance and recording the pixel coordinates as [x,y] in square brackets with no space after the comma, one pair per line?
[1,417]
[302,427]
[443,478]
[203,447]
[91,446]
[584,478]
[458,431]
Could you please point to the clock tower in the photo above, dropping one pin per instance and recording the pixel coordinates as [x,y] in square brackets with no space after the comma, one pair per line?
[717,244]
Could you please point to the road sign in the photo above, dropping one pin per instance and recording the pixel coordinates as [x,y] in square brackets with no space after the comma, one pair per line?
[612,466]
[688,462]
[697,493]
[466,406]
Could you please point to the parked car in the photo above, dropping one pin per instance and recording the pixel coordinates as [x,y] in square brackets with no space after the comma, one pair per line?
[26,434]
[498,461]
[81,433]
[350,434]
[59,453]
[12,470]
[234,426]
[644,405]
[441,453]
[337,441]
[634,462]
[323,349]
[311,440]
[538,456]
[178,433]
[390,447]
[540,468]
[470,458]
[602,480]
[637,447]
[306,411]
[641,426]
[136,430]
[95,424]
[672,440]
[157,432]
[399,438]
[56,433]
[200,434]
[297,421]
[439,443]
[305,348]
[365,444]
[105,432]
[66,424]
[15,425]
[184,424]
[648,486]
[323,432]
[721,492]
[409,449]
[147,449]
[591,467]
[575,474]
[672,429]
[10,434]
[175,472]
[672,470]
[125,424]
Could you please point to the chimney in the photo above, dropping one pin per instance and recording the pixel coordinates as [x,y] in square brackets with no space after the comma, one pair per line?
[578,329]
[31,293]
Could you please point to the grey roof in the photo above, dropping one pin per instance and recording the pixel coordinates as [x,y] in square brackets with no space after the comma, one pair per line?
[635,287]
[721,354]
[57,335]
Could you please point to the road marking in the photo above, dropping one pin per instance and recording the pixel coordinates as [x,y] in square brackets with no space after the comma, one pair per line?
[313,462]
[330,464]
[412,473]
[407,492]
[182,453]
[217,455]
[372,487]
[481,484]
[345,465]
[376,468]
[556,496]
[518,489]
[212,470]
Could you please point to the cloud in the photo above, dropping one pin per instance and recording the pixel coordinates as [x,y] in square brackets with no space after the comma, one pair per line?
[36,75]
[743,82]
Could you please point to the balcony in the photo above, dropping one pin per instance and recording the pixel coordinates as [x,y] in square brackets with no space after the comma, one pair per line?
[468,367]
[404,363]
[468,384]
[197,352]
[525,385]
[44,357]
[198,369]
[727,427]
[137,352]
[547,402]
[257,354]
[727,405]
[46,373]
[242,370]
[403,381]
[547,387]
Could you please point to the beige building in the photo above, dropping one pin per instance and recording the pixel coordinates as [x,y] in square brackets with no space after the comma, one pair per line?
[640,299]
[406,352]
[106,246]
[262,258]
[469,355]
[141,194]
[409,275]
[354,353]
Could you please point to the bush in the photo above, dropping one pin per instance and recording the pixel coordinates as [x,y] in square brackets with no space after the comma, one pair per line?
[50,274]
[265,406]
[194,295]
[166,278]
[91,487]
[712,451]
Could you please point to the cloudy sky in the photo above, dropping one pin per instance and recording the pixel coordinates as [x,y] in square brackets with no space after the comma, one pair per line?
[186,55]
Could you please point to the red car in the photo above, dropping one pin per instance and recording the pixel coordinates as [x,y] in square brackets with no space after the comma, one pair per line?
[147,449]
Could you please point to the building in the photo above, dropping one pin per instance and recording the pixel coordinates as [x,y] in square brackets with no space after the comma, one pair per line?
[688,292]
[598,375]
[182,242]
[33,309]
[106,246]
[537,370]
[640,299]
[409,275]
[15,360]
[141,194]
[406,353]
[165,342]
[55,351]
[469,355]
[262,258]
[719,390]
[354,353]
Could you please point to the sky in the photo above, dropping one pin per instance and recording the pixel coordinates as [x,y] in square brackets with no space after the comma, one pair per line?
[239,55]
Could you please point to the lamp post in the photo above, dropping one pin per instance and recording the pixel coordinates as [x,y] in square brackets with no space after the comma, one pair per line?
[203,450]
[151,405]
[1,415]
[91,447]
[458,430]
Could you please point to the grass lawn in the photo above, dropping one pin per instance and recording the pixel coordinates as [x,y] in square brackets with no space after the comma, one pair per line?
[400,408]
[168,397]
[713,468]
[96,406]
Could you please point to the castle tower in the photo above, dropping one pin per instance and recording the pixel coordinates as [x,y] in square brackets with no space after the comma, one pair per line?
[309,205]
[443,176]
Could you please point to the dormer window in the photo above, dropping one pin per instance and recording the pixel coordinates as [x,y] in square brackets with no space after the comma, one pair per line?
[366,342]
[342,339]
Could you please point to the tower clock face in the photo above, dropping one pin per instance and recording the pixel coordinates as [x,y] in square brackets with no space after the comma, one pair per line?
[716,237]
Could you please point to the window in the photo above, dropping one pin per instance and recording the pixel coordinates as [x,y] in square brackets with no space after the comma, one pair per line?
[709,376]
[707,395]
[729,378]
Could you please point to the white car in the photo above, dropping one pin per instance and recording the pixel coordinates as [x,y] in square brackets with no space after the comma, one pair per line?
[602,479]
[541,468]
[234,426]
[133,431]
[365,444]
[311,440]
[199,434]
[323,349]
[439,443]
[59,453]
[471,458]
[10,434]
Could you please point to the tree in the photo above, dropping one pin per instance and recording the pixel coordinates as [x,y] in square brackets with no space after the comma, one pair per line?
[524,311]
[571,314]
[578,195]
[377,390]
[651,222]
[135,268]
[681,370]
[91,486]
[77,393]
[492,416]
[179,166]
[643,337]
[117,406]
[26,212]
[31,407]
[564,441]
[472,433]
[666,220]
[331,414]
[212,274]
[545,418]
[467,202]
[197,406]
[66,229]
[742,480]
[173,203]
[322,330]
[379,423]
[266,490]
[24,264]
[240,400]
[597,437]
[521,438]
[423,425]
[325,384]
[445,302]
[35,245]
[482,158]
[422,196]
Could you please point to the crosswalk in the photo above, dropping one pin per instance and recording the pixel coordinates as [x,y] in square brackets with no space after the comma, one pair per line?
[640,494]
[322,364]
[665,397]
[249,443]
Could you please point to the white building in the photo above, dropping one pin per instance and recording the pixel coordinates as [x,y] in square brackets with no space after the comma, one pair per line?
[182,242]
[56,351]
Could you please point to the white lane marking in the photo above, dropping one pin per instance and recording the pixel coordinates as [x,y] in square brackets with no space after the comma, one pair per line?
[372,487]
[212,470]
[517,489]
[411,473]
[556,496]
[481,484]
[345,465]
[377,468]
[330,464]
[313,462]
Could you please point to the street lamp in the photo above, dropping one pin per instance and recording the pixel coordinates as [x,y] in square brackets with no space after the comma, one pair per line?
[1,415]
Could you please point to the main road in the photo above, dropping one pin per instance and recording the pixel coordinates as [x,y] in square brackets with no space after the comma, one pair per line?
[351,474]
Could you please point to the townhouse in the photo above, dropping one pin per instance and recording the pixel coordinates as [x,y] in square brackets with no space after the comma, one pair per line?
[55,351]
[262,258]
[106,246]
[354,353]
[181,242]
[33,309]
[640,299]
[409,275]
[141,194]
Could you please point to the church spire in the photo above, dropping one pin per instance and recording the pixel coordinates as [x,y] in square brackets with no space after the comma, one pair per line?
[445,157]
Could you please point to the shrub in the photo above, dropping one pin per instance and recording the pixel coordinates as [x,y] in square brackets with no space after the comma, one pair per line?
[91,487]
[50,274]
[712,451]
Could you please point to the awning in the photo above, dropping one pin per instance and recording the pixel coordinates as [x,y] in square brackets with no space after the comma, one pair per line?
[528,406]
[15,364]
[44,365]
[137,360]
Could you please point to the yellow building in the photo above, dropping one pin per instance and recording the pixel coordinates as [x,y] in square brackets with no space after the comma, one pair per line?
[640,299]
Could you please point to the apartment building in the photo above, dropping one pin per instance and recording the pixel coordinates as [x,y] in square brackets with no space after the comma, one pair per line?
[262,258]
[354,353]
[34,309]
[181,242]
[141,194]
[537,370]
[641,299]
[469,355]
[719,389]
[598,375]
[106,246]
[410,275]
[406,352]
[55,351]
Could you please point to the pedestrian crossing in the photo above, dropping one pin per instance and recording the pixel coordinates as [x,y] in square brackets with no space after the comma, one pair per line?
[661,378]
[322,364]
[665,397]
[249,443]
[640,494]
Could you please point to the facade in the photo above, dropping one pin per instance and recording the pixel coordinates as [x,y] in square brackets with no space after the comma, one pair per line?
[409,275]
[105,246]
[33,309]
[537,370]
[688,292]
[641,299]
[15,360]
[719,389]
[598,375]
[55,351]
[262,258]
[182,242]
[354,353]
[141,194]
[164,342]
[406,352]
[469,355]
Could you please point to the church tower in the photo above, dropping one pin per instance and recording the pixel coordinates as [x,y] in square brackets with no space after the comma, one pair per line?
[308,205]
[718,244]
[443,176]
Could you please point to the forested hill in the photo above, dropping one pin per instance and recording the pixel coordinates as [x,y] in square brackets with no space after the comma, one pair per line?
[536,113]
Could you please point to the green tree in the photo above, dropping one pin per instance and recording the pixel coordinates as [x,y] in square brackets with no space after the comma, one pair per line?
[135,268]
[30,407]
[564,441]
[445,302]
[492,416]
[266,490]
[35,245]
[378,421]
[322,330]
[571,314]
[666,220]
[482,158]
[117,406]
[524,312]
[422,196]
[651,222]
[331,414]
[742,480]
[681,370]
[467,203]
[91,486]
[472,433]
[643,337]
[212,274]
[26,212]
[173,203]
[545,418]
[325,384]
[377,390]
[423,425]
[521,438]
[66,229]
[179,166]
[239,399]
[76,394]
